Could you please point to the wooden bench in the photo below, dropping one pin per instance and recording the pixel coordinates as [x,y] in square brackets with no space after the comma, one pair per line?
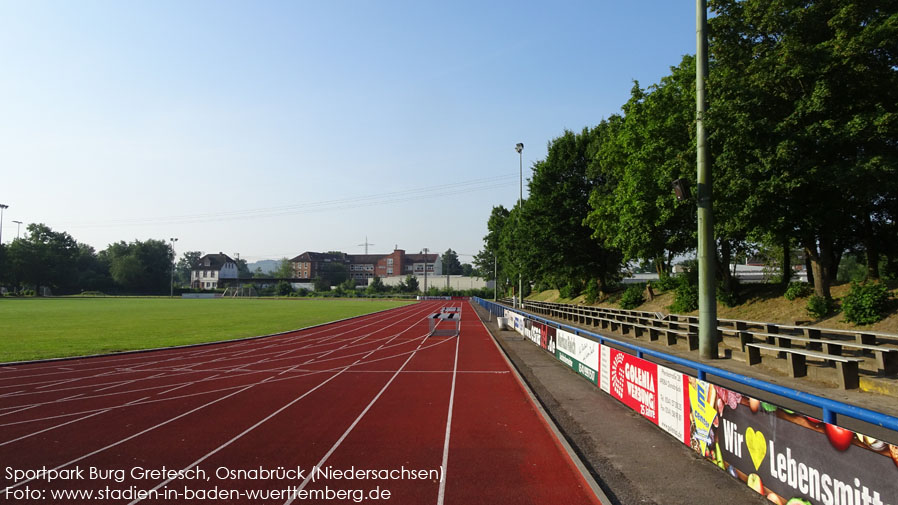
[886,357]
[846,367]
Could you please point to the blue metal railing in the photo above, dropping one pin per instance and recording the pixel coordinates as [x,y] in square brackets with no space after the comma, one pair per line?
[830,408]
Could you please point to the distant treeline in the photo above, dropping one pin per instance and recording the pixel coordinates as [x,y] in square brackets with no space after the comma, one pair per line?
[803,124]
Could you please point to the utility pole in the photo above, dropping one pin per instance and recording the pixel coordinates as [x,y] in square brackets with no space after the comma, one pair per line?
[171,292]
[495,278]
[2,208]
[707,297]
[425,271]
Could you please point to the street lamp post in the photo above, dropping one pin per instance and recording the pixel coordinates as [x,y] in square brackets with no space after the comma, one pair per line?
[18,223]
[2,207]
[171,293]
[425,271]
[520,149]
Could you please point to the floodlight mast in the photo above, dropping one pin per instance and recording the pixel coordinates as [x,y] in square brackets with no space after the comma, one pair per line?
[520,148]
[707,298]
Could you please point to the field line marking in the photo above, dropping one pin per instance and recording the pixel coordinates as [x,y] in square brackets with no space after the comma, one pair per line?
[276,412]
[444,466]
[356,422]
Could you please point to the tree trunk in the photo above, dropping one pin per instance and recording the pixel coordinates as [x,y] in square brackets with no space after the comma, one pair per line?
[787,262]
[807,267]
[871,249]
[835,258]
[723,267]
[821,264]
[600,283]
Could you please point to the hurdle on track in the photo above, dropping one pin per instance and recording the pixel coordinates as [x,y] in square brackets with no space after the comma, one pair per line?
[450,320]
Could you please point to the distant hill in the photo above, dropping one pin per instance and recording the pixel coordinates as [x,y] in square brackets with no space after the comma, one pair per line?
[267,266]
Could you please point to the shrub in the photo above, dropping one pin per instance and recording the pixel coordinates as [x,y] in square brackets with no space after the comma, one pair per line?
[797,290]
[686,297]
[865,303]
[665,282]
[820,307]
[632,297]
[570,290]
[728,298]
[592,291]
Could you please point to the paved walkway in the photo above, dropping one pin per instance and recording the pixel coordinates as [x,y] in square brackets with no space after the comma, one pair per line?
[633,461]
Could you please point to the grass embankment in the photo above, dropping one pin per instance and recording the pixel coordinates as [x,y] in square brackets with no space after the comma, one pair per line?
[759,302]
[57,327]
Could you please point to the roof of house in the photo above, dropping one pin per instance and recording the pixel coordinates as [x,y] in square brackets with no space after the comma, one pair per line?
[316,256]
[215,260]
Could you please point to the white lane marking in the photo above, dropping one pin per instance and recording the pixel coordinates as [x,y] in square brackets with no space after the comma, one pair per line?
[354,423]
[61,425]
[444,465]
[276,412]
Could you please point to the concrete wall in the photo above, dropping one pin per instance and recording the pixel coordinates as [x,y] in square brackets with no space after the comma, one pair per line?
[455,282]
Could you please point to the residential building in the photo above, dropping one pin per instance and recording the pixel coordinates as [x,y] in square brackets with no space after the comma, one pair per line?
[362,267]
[212,268]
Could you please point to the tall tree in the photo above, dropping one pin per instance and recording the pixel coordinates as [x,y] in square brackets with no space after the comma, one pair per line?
[140,267]
[451,265]
[560,246]
[492,258]
[189,261]
[813,88]
[44,258]
[639,156]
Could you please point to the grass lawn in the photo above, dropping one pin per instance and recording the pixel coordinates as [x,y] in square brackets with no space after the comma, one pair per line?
[50,328]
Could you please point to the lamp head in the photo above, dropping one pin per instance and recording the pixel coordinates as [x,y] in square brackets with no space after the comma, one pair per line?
[519,147]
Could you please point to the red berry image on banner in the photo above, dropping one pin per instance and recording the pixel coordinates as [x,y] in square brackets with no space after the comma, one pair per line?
[840,438]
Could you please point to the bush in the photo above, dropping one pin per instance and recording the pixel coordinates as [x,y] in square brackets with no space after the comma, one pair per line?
[797,290]
[592,291]
[570,290]
[665,282]
[632,297]
[728,298]
[820,307]
[865,303]
[686,297]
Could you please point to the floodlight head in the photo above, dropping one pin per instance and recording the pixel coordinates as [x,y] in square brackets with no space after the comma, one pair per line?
[519,147]
[3,206]
[680,189]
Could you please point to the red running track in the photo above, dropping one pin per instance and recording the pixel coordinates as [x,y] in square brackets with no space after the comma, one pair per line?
[427,419]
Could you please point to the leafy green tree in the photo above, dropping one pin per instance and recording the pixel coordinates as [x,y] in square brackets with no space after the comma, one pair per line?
[284,270]
[812,89]
[283,288]
[44,258]
[468,270]
[487,259]
[638,156]
[559,246]
[189,261]
[411,284]
[140,267]
[451,265]
[243,269]
[321,284]
[376,287]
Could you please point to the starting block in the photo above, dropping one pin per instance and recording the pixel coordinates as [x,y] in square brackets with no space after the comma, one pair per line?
[450,320]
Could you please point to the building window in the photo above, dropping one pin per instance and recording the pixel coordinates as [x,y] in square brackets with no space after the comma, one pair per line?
[389,261]
[390,271]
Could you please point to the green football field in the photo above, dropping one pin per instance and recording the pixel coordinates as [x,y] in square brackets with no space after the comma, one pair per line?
[50,328]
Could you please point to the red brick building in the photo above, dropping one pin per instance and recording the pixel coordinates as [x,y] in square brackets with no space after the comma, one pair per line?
[362,267]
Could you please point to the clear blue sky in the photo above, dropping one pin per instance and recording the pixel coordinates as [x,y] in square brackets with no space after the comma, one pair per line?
[272,128]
